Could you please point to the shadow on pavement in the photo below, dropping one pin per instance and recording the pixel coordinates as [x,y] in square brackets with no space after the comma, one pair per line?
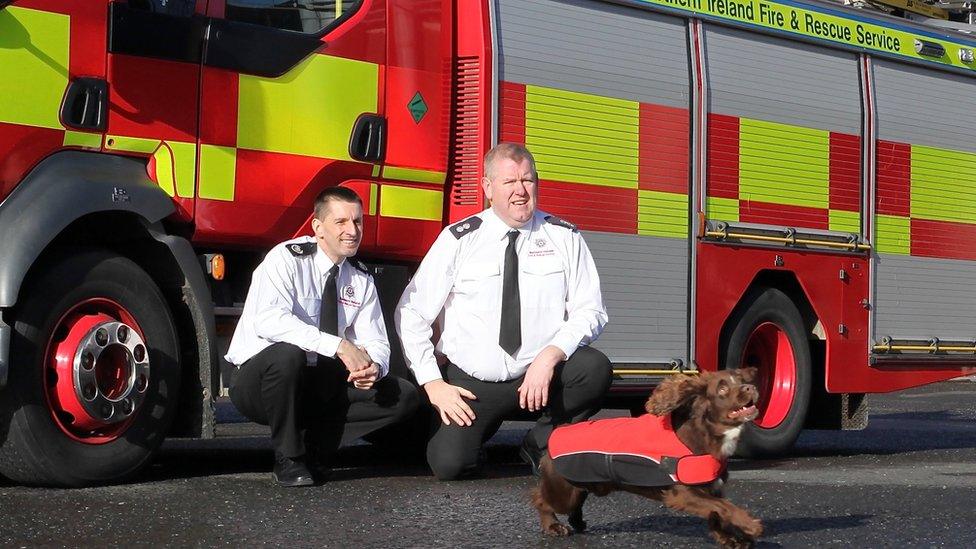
[229,456]
[887,434]
[694,527]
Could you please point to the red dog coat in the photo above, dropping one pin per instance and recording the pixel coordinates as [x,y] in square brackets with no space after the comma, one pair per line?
[640,451]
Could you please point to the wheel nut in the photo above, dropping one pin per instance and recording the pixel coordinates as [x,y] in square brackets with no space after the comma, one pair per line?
[101,337]
[123,333]
[139,352]
[89,392]
[127,406]
[141,383]
[87,361]
[106,411]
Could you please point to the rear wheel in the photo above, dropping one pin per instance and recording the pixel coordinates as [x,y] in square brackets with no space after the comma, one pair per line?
[94,380]
[767,333]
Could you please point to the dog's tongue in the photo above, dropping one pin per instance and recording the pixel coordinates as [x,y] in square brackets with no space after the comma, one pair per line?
[742,412]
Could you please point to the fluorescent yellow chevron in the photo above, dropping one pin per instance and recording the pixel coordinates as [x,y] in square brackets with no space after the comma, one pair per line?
[722,209]
[893,234]
[662,214]
[218,171]
[784,164]
[844,221]
[582,138]
[411,203]
[33,66]
[943,185]
[310,110]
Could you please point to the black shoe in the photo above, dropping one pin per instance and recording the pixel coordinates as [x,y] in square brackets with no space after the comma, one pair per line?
[320,469]
[292,472]
[531,454]
[318,463]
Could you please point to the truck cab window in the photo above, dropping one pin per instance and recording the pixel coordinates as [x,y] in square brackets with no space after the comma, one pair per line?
[309,16]
[180,8]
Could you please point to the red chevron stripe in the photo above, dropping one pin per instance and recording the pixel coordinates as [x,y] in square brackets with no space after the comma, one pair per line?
[751,211]
[511,112]
[894,192]
[591,207]
[723,156]
[943,239]
[663,152]
[845,172]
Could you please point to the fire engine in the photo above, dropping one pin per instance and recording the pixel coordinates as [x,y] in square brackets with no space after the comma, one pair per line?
[785,184]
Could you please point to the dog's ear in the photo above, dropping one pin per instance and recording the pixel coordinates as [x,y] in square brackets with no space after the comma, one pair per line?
[675,391]
[747,375]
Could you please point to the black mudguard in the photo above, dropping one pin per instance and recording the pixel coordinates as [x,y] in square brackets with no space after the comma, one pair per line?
[69,185]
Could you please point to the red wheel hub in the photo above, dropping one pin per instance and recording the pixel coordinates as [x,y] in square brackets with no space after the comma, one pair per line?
[769,350]
[97,371]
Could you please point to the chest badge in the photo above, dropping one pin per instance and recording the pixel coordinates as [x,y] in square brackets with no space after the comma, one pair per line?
[349,292]
[541,248]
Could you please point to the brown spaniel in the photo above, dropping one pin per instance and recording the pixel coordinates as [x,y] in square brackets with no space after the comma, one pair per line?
[676,454]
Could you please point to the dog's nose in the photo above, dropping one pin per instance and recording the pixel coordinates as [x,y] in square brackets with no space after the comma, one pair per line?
[751,390]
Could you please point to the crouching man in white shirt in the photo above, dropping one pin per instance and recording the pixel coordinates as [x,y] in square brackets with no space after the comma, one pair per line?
[519,298]
[309,298]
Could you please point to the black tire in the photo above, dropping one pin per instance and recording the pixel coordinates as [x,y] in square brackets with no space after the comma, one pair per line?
[762,312]
[34,447]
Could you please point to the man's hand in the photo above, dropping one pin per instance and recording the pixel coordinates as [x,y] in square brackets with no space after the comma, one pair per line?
[448,401]
[534,391]
[365,378]
[353,357]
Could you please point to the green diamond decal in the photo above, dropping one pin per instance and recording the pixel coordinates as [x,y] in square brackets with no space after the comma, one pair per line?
[417,107]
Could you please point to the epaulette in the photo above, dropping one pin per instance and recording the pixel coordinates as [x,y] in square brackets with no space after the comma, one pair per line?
[302,250]
[467,226]
[359,265]
[561,222]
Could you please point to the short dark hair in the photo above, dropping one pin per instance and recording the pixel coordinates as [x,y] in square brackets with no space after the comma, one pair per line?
[341,194]
[510,151]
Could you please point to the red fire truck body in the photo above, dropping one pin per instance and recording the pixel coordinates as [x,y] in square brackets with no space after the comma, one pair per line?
[750,191]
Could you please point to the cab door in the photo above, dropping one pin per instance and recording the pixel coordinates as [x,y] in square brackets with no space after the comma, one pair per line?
[418,102]
[284,88]
[153,73]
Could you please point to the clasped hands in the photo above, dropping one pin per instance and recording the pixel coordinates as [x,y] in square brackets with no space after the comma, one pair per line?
[362,370]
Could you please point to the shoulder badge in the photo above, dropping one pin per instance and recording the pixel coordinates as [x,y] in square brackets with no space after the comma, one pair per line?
[561,222]
[302,250]
[467,226]
[359,265]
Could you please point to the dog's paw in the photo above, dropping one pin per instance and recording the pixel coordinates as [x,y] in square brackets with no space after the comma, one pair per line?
[726,541]
[578,524]
[741,534]
[557,529]
[752,527]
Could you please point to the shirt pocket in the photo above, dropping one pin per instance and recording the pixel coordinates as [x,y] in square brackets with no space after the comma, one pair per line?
[543,285]
[307,308]
[479,284]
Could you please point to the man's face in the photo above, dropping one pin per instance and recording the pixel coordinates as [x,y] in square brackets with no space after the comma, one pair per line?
[340,230]
[512,190]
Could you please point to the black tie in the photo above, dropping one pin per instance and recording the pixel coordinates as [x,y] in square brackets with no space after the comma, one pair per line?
[510,332]
[329,317]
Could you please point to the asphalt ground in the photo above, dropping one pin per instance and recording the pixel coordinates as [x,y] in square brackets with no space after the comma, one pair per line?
[909,479]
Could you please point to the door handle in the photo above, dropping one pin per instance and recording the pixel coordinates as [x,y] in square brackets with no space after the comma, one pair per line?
[86,104]
[368,140]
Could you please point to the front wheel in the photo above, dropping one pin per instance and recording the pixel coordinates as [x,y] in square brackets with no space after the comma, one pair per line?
[768,333]
[95,374]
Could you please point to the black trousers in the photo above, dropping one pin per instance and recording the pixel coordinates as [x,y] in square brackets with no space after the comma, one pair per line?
[311,404]
[576,393]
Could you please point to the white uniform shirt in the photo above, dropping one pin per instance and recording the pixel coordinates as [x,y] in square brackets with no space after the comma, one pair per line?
[461,276]
[285,299]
